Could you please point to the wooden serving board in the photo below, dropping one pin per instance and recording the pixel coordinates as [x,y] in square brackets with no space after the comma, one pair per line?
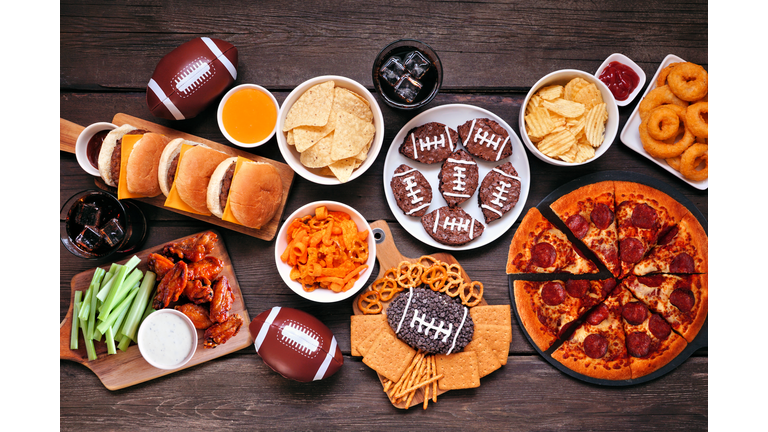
[388,257]
[69,132]
[128,368]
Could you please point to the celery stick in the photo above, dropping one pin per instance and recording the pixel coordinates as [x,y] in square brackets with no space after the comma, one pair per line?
[118,292]
[106,287]
[116,281]
[92,311]
[75,320]
[139,305]
[147,311]
[85,306]
[118,325]
[110,341]
[117,311]
[90,349]
[98,275]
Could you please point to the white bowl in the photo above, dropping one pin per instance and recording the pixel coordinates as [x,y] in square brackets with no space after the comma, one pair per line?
[292,156]
[562,77]
[221,108]
[157,324]
[621,58]
[324,295]
[82,143]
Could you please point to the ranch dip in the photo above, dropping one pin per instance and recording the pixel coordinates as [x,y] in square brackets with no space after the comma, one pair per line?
[166,339]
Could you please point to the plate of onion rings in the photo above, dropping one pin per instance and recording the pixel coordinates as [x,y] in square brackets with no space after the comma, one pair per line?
[657,133]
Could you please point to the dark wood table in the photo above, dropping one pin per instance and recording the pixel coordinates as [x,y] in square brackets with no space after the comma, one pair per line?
[492,53]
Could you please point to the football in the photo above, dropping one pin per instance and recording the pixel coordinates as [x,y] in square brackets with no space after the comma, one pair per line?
[190,77]
[499,192]
[452,226]
[295,344]
[458,178]
[411,190]
[429,143]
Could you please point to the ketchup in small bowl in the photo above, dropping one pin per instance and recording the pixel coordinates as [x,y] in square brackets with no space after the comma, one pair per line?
[620,79]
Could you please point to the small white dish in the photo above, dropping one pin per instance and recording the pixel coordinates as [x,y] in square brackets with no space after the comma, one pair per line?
[221,109]
[81,146]
[323,295]
[292,157]
[167,339]
[621,58]
[562,77]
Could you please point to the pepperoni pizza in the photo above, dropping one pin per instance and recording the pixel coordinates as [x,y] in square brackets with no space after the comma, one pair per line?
[656,249]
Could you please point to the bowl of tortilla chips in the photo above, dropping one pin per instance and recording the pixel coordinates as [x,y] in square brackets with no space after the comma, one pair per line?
[330,129]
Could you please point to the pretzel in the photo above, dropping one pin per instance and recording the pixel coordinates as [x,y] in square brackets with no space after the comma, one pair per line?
[453,285]
[408,274]
[435,277]
[471,294]
[369,302]
[387,288]
[427,261]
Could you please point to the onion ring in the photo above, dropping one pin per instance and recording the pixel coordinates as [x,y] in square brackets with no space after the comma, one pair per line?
[688,81]
[661,80]
[695,120]
[663,123]
[656,97]
[662,149]
[674,162]
[691,159]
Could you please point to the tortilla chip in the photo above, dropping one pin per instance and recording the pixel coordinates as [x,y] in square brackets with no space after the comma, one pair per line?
[319,155]
[307,136]
[350,102]
[343,168]
[311,108]
[350,136]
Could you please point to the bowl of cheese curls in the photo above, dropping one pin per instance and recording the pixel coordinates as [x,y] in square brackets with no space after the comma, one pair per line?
[569,118]
[325,251]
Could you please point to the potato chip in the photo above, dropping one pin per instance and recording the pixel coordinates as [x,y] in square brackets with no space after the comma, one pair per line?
[311,108]
[350,102]
[350,135]
[570,154]
[594,125]
[589,95]
[584,152]
[533,102]
[556,143]
[538,123]
[573,86]
[550,92]
[319,155]
[576,126]
[564,107]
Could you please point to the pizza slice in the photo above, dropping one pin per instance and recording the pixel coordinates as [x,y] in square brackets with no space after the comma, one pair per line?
[589,213]
[597,348]
[643,214]
[539,247]
[681,300]
[683,249]
[651,343]
[547,309]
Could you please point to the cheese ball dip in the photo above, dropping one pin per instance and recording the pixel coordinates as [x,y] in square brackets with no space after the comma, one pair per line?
[167,339]
[247,115]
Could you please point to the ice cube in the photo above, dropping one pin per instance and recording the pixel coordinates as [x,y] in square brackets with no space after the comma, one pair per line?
[416,64]
[88,239]
[87,214]
[112,232]
[407,88]
[392,71]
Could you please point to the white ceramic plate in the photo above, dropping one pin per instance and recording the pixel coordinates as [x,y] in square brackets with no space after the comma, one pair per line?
[453,116]
[631,137]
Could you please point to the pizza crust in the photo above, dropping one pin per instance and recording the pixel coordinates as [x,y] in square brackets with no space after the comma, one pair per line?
[527,313]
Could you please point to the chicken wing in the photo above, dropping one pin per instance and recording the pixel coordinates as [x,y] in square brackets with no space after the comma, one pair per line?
[199,291]
[198,314]
[219,333]
[193,248]
[159,265]
[171,286]
[208,268]
[223,297]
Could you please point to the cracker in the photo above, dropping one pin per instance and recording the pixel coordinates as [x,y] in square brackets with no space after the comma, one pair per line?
[370,339]
[492,314]
[485,347]
[460,370]
[497,337]
[362,326]
[389,356]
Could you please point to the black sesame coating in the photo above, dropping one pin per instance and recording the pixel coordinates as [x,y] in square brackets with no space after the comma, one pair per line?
[430,305]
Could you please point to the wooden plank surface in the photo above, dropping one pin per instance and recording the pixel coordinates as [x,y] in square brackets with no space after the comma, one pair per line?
[492,52]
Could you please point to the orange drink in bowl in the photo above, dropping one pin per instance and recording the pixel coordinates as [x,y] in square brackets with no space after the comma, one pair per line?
[247,115]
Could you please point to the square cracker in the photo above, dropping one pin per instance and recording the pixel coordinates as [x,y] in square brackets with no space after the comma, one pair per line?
[492,314]
[490,340]
[389,356]
[459,370]
[363,326]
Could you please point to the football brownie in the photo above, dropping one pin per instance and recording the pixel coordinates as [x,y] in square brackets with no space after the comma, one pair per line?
[412,191]
[451,226]
[499,192]
[458,178]
[429,143]
[485,139]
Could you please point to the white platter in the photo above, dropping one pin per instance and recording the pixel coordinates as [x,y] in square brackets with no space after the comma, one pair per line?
[453,116]
[631,137]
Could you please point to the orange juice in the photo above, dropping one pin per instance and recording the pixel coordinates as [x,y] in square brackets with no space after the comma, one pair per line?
[249,115]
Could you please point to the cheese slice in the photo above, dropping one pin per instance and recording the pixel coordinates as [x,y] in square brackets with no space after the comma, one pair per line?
[227,215]
[125,150]
[173,200]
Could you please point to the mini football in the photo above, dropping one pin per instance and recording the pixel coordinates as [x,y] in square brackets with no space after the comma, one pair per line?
[499,192]
[458,178]
[295,344]
[486,139]
[452,226]
[411,190]
[429,143]
[190,77]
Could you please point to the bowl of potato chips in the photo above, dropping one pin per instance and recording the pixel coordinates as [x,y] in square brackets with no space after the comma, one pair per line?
[569,118]
[330,129]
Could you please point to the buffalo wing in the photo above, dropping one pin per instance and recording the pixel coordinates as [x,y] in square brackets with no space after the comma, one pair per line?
[159,265]
[199,291]
[223,297]
[193,248]
[198,314]
[171,286]
[208,268]
[219,333]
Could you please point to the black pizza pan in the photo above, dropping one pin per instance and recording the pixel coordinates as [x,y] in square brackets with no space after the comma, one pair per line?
[702,338]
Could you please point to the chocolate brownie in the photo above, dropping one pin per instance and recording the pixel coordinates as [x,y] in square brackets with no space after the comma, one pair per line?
[499,192]
[485,139]
[452,226]
[412,191]
[458,177]
[429,143]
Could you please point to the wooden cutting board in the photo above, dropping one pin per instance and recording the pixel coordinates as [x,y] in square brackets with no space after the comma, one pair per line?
[69,132]
[128,368]
[389,256]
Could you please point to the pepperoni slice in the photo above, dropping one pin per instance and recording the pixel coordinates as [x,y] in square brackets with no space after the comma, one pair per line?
[564,329]
[631,250]
[578,225]
[651,281]
[659,327]
[683,263]
[683,299]
[644,216]
[598,314]
[577,288]
[668,235]
[634,312]
[553,293]
[608,285]
[543,255]
[595,346]
[601,216]
[638,344]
